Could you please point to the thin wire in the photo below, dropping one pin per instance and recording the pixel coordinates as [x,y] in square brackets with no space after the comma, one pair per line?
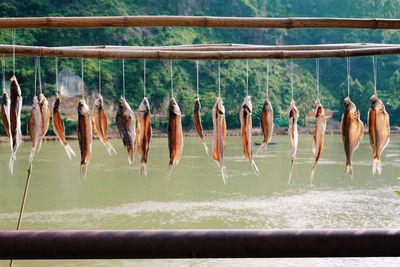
[40,79]
[247,77]
[197,78]
[13,42]
[291,78]
[219,78]
[123,78]
[317,74]
[99,76]
[374,68]
[348,76]
[36,66]
[3,70]
[83,92]
[57,75]
[267,78]
[172,80]
[144,77]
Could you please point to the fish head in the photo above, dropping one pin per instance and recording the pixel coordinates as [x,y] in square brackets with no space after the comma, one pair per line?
[14,86]
[83,108]
[247,103]
[98,102]
[43,100]
[197,105]
[294,112]
[319,109]
[144,105]
[121,103]
[219,106]
[173,106]
[376,103]
[35,103]
[57,102]
[349,106]
[267,105]
[5,98]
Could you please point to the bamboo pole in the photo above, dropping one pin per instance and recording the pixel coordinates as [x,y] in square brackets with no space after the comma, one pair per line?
[192,55]
[197,21]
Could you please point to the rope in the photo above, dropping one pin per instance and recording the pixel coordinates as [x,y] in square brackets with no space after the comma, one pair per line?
[291,77]
[123,78]
[219,78]
[57,75]
[172,80]
[267,78]
[374,69]
[36,66]
[144,77]
[348,76]
[247,77]
[40,79]
[99,76]
[197,78]
[13,42]
[317,74]
[83,90]
[3,71]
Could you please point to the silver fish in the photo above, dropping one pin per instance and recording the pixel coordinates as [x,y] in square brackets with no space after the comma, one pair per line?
[5,116]
[35,127]
[319,135]
[219,137]
[126,125]
[84,136]
[267,124]
[293,135]
[143,135]
[15,119]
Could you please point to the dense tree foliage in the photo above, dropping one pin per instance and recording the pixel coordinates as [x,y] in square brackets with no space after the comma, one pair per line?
[233,72]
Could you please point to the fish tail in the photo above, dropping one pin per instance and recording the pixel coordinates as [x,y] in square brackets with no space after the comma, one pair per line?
[69,151]
[131,157]
[313,172]
[110,149]
[83,170]
[170,168]
[291,170]
[262,146]
[376,166]
[254,167]
[349,171]
[32,154]
[205,147]
[143,169]
[12,160]
[224,174]
[40,145]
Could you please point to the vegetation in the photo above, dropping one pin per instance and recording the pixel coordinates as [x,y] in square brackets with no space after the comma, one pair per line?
[233,83]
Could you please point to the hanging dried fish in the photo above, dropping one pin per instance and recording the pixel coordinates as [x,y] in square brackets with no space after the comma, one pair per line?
[293,135]
[352,131]
[319,135]
[175,135]
[15,119]
[84,136]
[126,125]
[379,132]
[267,124]
[197,122]
[245,129]
[5,116]
[59,129]
[45,111]
[143,135]
[219,136]
[35,127]
[100,124]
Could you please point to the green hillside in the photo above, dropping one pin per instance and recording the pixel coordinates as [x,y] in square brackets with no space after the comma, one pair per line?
[333,71]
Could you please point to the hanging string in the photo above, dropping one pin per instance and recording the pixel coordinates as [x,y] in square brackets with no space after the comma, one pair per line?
[348,76]
[123,78]
[197,78]
[267,79]
[57,75]
[83,91]
[36,67]
[3,71]
[172,80]
[219,79]
[247,77]
[13,42]
[99,76]
[374,68]
[317,74]
[291,77]
[40,79]
[144,77]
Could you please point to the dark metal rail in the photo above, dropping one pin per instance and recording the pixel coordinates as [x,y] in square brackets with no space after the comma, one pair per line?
[198,244]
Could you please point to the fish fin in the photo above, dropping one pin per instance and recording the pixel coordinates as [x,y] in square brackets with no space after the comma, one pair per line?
[143,169]
[349,172]
[170,168]
[205,147]
[224,175]
[131,156]
[83,170]
[11,163]
[40,145]
[376,166]
[69,151]
[110,149]
[313,172]
[32,154]
[254,167]
[262,146]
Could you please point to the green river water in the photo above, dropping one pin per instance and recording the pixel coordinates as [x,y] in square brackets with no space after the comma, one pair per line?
[114,196]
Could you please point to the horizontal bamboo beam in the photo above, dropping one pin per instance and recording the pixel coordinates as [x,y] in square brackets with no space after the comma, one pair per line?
[7,50]
[235,47]
[197,21]
[150,244]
